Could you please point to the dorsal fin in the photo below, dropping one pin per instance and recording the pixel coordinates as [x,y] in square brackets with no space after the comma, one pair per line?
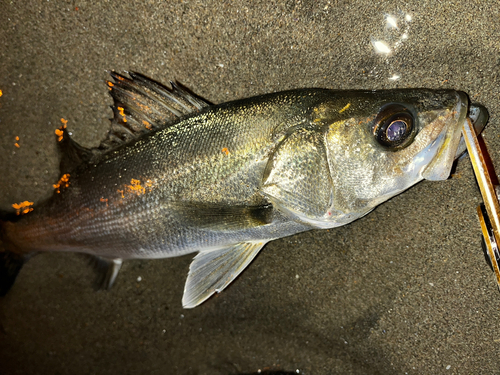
[142,105]
[72,153]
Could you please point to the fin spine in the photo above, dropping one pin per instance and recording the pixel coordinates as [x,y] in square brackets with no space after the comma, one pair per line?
[142,105]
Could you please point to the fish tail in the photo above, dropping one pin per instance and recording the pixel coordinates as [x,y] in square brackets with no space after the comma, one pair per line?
[10,262]
[10,265]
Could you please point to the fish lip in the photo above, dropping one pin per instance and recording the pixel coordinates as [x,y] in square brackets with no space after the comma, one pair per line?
[447,143]
[478,114]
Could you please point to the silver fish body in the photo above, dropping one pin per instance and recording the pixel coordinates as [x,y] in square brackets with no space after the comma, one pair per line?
[223,180]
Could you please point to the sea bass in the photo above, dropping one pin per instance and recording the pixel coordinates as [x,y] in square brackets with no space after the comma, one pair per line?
[178,175]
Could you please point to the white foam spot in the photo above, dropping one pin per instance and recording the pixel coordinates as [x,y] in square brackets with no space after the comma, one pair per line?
[381,47]
[391,22]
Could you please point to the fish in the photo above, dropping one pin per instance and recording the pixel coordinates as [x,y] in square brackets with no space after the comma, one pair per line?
[177,174]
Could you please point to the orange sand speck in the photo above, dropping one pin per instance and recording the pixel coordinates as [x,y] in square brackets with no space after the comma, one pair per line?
[136,187]
[62,183]
[122,113]
[23,207]
[59,132]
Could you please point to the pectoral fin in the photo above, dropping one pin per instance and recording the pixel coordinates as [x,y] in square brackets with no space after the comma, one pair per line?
[212,271]
[221,218]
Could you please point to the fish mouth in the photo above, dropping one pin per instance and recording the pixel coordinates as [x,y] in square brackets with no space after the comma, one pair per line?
[449,144]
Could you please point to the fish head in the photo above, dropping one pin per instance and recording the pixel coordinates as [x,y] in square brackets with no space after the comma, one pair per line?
[380,143]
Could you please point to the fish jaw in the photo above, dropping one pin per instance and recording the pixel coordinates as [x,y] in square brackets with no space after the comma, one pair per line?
[442,151]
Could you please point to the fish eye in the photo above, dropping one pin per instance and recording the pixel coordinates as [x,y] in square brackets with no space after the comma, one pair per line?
[394,127]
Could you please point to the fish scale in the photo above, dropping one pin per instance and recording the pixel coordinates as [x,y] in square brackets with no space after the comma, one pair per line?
[177,175]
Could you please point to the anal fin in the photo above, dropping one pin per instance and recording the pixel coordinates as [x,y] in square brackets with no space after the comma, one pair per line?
[107,269]
[212,271]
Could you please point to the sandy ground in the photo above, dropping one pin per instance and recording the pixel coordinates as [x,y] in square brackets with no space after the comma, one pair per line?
[405,290]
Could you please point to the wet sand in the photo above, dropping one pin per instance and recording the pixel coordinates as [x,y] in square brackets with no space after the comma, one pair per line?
[405,289]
